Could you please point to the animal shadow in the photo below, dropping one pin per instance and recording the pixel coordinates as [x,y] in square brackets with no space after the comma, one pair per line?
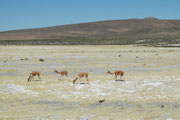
[120,80]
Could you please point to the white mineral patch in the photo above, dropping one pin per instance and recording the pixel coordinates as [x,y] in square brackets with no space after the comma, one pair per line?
[97,91]
[129,91]
[84,118]
[78,87]
[15,89]
[78,93]
[169,119]
[139,41]
[64,96]
[155,84]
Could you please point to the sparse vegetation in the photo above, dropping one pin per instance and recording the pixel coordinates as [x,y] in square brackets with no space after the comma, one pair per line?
[116,41]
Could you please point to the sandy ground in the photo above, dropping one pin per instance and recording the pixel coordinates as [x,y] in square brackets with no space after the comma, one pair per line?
[151,90]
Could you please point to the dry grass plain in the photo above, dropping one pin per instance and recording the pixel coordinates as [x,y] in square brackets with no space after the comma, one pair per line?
[151,90]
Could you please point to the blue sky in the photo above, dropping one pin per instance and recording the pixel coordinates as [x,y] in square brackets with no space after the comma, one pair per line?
[24,14]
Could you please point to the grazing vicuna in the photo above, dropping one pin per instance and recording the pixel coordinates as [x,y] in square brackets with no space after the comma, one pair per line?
[117,73]
[32,74]
[62,73]
[80,75]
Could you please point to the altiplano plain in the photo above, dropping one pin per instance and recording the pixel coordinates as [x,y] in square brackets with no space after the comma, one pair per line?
[151,90]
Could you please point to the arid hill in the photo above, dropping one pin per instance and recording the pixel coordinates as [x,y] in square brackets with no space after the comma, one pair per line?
[150,31]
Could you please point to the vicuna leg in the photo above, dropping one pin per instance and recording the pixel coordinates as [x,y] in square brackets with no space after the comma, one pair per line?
[87,80]
[32,77]
[61,77]
[115,77]
[120,77]
[39,77]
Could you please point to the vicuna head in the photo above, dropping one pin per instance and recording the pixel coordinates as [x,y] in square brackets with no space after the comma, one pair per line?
[108,72]
[55,71]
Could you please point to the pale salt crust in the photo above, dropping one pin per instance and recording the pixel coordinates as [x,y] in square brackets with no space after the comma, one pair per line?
[102,88]
[12,88]
[95,88]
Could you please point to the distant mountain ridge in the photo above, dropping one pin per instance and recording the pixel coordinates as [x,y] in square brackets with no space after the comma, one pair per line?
[147,31]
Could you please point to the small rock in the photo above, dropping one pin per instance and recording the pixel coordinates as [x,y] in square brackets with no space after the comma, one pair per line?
[42,60]
[101,101]
[24,59]
[162,106]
